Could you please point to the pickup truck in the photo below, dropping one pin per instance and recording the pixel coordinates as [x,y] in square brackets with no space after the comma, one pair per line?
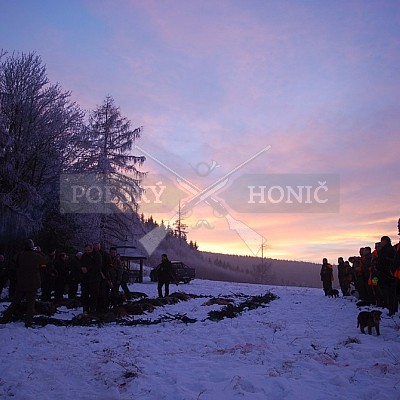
[181,271]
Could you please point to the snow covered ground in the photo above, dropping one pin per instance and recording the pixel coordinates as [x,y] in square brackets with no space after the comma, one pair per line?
[302,345]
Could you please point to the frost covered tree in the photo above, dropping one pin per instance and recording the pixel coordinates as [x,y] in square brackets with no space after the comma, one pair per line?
[43,134]
[38,122]
[109,140]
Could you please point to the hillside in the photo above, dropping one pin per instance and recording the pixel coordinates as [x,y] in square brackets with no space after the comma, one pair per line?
[246,269]
[268,271]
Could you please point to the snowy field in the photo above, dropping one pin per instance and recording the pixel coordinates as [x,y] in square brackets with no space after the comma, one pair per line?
[302,345]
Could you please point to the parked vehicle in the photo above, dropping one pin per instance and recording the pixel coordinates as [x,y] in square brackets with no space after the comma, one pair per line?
[181,271]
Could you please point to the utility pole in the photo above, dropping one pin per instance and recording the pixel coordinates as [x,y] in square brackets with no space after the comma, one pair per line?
[262,250]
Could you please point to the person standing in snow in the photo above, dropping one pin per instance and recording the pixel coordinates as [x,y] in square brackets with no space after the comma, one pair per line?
[75,275]
[3,273]
[386,280]
[61,264]
[115,272]
[125,278]
[103,258]
[341,276]
[28,264]
[326,276]
[48,275]
[91,277]
[164,275]
[396,266]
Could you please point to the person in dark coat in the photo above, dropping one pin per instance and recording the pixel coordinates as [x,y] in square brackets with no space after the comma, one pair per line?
[326,276]
[366,262]
[103,257]
[396,265]
[361,274]
[75,275]
[386,280]
[62,267]
[342,277]
[12,276]
[3,273]
[91,277]
[125,278]
[115,273]
[165,275]
[48,275]
[28,264]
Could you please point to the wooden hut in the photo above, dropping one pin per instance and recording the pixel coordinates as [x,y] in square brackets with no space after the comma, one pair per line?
[131,255]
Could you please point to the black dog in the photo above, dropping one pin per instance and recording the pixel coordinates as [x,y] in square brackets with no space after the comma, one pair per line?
[369,319]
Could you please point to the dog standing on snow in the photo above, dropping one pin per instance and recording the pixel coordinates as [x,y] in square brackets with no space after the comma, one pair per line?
[369,319]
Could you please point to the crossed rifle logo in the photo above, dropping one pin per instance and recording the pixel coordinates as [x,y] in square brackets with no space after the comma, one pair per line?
[250,237]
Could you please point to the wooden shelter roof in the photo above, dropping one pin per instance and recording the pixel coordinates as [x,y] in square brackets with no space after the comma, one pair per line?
[130,252]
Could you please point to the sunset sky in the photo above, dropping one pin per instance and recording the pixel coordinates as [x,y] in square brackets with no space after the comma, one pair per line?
[215,82]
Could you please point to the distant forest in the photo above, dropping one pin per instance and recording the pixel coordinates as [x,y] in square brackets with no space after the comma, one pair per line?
[248,269]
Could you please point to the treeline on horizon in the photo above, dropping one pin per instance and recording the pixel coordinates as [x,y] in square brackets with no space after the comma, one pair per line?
[250,269]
